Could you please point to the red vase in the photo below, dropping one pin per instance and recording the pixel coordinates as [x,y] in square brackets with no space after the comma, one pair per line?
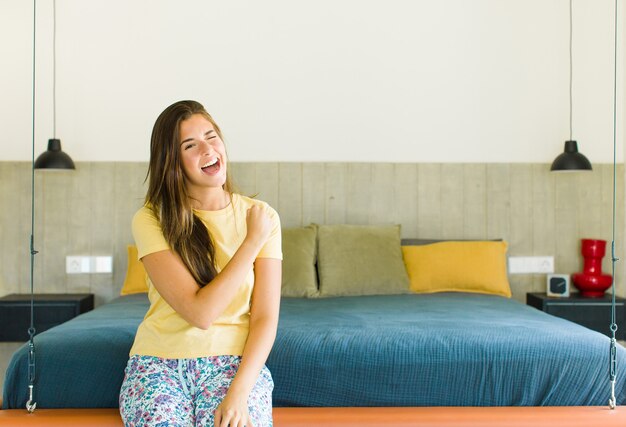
[591,282]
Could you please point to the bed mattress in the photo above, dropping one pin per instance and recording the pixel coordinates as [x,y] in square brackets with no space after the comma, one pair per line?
[449,349]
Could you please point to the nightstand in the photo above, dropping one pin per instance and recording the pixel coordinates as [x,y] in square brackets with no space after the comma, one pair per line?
[593,313]
[49,310]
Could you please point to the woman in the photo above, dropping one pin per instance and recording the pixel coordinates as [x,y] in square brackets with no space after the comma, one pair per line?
[213,259]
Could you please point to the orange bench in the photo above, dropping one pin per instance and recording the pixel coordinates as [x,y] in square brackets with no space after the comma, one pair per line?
[577,416]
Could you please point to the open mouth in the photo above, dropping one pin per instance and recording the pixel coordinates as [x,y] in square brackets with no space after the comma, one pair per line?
[211,167]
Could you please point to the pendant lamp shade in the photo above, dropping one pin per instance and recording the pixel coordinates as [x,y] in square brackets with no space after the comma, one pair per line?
[54,157]
[570,159]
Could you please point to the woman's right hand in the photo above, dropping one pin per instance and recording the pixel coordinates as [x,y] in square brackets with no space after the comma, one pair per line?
[259,226]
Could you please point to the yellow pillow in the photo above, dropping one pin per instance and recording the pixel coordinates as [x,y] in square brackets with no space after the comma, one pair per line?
[471,266]
[135,281]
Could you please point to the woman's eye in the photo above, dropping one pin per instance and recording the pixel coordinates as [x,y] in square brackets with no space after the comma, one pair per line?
[187,147]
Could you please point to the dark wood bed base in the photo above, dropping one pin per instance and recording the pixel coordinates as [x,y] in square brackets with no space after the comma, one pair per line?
[574,416]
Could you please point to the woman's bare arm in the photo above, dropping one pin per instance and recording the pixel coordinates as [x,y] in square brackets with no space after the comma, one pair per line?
[263,324]
[201,306]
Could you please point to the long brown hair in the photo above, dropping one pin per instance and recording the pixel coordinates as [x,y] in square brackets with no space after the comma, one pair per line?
[167,195]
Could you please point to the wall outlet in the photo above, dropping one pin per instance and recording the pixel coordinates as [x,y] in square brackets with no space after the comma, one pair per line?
[531,264]
[88,264]
[77,264]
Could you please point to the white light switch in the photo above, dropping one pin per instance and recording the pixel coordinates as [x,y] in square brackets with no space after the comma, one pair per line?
[103,264]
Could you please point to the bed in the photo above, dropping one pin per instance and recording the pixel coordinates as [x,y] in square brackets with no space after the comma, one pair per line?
[444,349]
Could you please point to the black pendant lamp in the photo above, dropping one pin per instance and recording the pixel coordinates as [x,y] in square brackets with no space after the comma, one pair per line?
[570,160]
[54,157]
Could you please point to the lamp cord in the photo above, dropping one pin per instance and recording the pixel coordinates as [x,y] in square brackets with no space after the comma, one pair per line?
[613,326]
[571,23]
[54,69]
[31,405]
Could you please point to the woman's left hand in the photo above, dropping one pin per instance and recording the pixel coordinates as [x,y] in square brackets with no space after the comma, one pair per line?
[233,412]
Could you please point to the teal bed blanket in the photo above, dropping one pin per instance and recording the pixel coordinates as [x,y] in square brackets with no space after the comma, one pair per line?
[450,349]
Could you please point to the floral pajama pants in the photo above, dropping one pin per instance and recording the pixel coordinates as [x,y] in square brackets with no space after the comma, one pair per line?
[186,392]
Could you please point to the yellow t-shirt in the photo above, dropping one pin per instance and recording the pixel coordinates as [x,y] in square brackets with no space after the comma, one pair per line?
[163,332]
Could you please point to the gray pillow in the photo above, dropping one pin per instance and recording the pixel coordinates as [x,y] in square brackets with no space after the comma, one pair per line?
[299,258]
[360,260]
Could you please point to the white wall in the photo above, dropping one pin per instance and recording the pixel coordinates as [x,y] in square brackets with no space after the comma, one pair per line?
[325,80]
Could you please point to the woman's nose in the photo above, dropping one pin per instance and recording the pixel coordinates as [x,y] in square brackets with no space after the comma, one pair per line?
[206,148]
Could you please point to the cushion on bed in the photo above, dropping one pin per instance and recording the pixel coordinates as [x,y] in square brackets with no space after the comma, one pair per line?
[458,266]
[135,281]
[360,260]
[299,258]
